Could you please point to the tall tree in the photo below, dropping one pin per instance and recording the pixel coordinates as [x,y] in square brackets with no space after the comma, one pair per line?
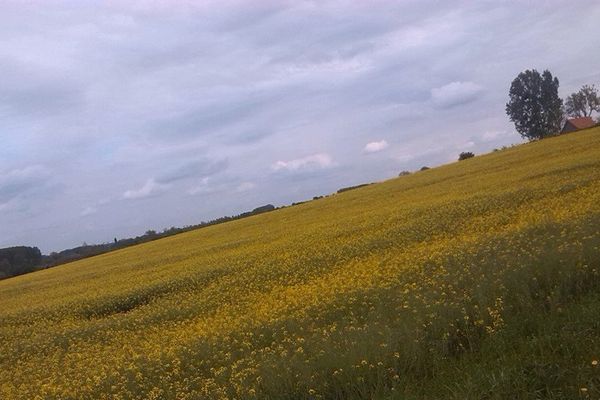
[534,105]
[584,102]
[19,260]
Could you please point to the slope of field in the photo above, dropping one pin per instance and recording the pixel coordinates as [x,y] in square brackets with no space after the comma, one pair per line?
[478,279]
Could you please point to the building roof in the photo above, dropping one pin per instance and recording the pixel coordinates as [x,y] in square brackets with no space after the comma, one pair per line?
[581,122]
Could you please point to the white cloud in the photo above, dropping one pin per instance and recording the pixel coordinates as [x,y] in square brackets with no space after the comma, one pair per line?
[312,162]
[150,188]
[494,135]
[88,211]
[404,157]
[245,186]
[374,147]
[455,93]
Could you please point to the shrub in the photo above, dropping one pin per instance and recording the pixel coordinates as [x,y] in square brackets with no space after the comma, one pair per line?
[345,189]
[464,155]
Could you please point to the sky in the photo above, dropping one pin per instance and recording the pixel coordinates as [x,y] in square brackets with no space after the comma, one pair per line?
[119,117]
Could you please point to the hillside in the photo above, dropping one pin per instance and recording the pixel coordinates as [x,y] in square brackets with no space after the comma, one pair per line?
[478,279]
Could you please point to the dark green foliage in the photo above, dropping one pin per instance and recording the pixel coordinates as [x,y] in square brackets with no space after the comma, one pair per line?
[534,105]
[464,155]
[404,173]
[262,209]
[345,189]
[584,102]
[425,168]
[19,260]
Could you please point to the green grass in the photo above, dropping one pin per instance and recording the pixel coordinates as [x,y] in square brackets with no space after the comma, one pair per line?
[537,356]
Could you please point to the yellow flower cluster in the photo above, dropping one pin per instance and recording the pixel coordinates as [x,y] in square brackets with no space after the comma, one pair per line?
[336,298]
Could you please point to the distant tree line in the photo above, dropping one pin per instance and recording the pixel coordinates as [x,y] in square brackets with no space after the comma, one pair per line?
[345,189]
[21,260]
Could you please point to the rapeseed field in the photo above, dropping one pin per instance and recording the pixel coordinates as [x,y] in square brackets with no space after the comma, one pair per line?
[477,279]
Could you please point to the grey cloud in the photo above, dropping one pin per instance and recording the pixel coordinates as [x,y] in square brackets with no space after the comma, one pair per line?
[150,189]
[197,168]
[205,120]
[29,92]
[19,182]
[89,210]
[244,17]
[27,193]
[248,136]
[455,94]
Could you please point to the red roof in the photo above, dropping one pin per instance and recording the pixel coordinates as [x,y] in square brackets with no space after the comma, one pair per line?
[581,122]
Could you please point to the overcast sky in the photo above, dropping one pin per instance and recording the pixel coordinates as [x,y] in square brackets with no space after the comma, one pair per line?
[128,116]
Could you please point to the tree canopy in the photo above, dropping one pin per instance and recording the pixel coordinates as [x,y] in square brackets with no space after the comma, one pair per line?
[464,155]
[534,105]
[584,102]
[18,260]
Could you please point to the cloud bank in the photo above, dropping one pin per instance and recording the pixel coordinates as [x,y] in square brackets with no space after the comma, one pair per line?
[131,116]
